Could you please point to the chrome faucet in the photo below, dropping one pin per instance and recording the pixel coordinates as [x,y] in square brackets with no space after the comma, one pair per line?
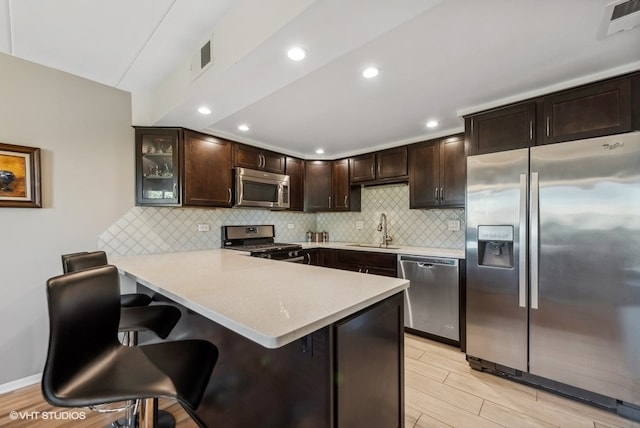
[382,227]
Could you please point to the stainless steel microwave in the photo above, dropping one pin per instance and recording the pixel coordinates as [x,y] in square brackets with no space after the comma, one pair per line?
[261,189]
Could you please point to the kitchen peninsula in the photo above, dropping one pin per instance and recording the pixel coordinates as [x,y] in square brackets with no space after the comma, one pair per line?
[300,346]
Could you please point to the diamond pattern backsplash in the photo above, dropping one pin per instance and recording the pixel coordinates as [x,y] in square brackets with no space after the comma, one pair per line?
[417,228]
[146,230]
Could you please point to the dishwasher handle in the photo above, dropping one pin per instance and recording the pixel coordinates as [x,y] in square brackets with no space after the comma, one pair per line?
[424,265]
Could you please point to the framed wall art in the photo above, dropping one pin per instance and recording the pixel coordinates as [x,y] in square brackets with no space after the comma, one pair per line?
[19,176]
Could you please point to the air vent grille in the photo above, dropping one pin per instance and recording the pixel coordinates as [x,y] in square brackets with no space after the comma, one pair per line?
[202,59]
[205,54]
[619,16]
[626,8]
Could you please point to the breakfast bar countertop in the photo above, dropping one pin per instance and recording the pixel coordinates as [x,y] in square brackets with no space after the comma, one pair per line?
[269,302]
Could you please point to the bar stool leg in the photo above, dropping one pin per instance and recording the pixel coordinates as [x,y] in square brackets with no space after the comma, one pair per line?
[148,416]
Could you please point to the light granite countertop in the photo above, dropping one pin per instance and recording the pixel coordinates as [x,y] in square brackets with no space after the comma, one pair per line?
[394,249]
[269,302]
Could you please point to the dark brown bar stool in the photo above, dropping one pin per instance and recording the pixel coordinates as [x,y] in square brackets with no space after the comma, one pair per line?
[87,365]
[158,319]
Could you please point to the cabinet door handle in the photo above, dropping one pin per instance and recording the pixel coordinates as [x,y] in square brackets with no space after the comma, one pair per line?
[308,256]
[378,169]
[264,161]
[441,194]
[359,270]
[531,130]
[435,194]
[366,271]
[229,190]
[373,173]
[345,200]
[329,201]
[548,126]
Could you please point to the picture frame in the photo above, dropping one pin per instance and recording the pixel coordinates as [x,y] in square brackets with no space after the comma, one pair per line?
[19,176]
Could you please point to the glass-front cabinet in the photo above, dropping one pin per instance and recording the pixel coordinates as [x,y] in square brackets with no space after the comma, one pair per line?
[157,166]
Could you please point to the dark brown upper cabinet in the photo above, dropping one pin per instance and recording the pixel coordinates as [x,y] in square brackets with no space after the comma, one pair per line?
[385,166]
[363,168]
[501,129]
[158,167]
[595,110]
[437,173]
[317,182]
[327,187]
[340,186]
[294,168]
[254,158]
[178,167]
[602,108]
[208,174]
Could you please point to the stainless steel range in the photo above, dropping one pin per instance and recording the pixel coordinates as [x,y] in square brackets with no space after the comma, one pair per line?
[259,240]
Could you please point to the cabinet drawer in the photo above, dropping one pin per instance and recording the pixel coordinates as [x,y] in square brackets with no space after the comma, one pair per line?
[363,261]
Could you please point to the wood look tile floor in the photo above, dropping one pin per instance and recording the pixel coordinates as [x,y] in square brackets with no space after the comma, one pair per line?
[441,391]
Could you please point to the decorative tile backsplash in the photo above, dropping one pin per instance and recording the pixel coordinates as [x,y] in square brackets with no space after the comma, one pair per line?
[419,228]
[146,230]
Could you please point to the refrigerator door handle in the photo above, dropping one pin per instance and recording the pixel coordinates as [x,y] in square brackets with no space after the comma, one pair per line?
[522,258]
[535,238]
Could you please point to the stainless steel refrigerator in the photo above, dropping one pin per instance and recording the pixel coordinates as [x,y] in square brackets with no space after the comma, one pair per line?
[553,263]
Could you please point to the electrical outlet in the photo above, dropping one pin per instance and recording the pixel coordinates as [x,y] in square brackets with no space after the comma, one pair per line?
[454,225]
[291,225]
[359,225]
[203,227]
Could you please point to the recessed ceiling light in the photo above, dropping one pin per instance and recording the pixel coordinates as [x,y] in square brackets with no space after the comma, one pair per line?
[243,127]
[432,124]
[296,54]
[319,151]
[370,72]
[204,110]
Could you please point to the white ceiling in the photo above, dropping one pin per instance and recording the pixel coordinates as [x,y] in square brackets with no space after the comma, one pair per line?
[438,59]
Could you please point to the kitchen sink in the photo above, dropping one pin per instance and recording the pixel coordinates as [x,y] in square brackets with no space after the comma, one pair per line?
[389,247]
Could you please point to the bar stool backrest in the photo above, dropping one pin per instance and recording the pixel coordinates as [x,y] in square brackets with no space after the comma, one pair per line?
[79,261]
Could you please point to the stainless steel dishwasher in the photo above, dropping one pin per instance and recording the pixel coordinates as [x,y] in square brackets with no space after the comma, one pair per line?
[431,303]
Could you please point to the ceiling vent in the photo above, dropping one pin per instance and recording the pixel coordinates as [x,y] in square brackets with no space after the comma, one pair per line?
[620,15]
[202,59]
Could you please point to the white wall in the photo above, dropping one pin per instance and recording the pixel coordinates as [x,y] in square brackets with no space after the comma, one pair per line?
[84,131]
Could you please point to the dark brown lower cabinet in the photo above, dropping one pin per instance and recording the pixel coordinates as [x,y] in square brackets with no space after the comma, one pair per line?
[369,367]
[314,256]
[365,261]
[348,374]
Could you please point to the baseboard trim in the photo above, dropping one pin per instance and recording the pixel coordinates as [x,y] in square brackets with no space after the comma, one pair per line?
[20,383]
